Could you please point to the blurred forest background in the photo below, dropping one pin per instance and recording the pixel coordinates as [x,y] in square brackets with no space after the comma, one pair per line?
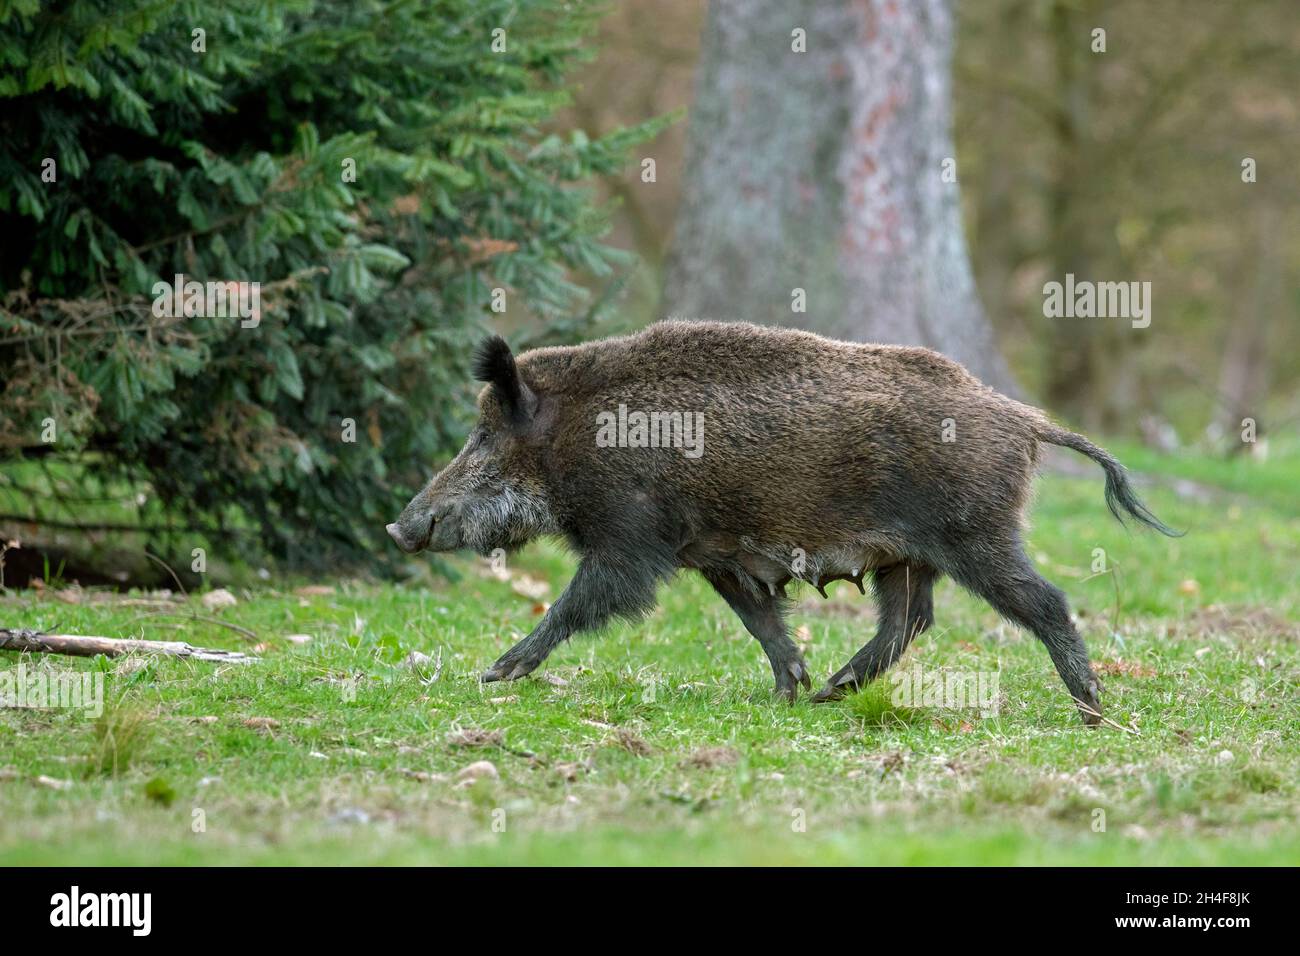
[605,167]
[1123,165]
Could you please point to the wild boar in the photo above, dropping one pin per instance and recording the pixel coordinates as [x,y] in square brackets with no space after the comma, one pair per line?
[759,457]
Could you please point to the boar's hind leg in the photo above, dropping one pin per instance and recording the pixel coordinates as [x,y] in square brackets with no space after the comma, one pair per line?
[761,613]
[600,589]
[1021,595]
[905,602]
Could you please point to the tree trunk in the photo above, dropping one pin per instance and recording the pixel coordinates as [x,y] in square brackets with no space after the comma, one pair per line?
[824,171]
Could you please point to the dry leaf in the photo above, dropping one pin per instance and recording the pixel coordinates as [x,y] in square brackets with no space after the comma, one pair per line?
[313,590]
[633,744]
[569,771]
[1125,668]
[407,205]
[475,737]
[803,636]
[530,587]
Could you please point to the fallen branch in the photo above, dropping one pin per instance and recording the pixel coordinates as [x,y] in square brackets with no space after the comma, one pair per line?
[78,645]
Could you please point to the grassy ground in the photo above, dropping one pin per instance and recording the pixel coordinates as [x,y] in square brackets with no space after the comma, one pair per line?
[662,743]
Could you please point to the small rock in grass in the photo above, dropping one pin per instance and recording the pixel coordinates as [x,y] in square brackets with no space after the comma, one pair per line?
[51,782]
[218,599]
[261,723]
[313,590]
[479,770]
[1226,756]
[298,638]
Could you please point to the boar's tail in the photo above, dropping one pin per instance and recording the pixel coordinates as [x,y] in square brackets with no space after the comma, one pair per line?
[1120,496]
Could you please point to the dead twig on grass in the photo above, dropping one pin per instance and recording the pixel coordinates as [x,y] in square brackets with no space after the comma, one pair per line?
[82,645]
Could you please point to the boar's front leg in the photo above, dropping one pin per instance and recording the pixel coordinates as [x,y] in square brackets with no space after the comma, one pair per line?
[601,589]
[761,613]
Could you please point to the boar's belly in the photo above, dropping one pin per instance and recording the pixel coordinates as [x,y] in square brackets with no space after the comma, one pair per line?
[774,565]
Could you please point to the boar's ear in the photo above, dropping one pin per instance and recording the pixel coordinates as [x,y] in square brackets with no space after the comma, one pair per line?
[494,364]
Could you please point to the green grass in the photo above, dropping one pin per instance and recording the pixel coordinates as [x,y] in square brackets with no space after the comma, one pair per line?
[662,742]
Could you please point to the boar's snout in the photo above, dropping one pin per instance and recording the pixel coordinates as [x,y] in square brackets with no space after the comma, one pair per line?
[413,529]
[395,531]
[423,526]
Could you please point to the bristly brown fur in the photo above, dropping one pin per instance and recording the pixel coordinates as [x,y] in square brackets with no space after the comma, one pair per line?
[821,461]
